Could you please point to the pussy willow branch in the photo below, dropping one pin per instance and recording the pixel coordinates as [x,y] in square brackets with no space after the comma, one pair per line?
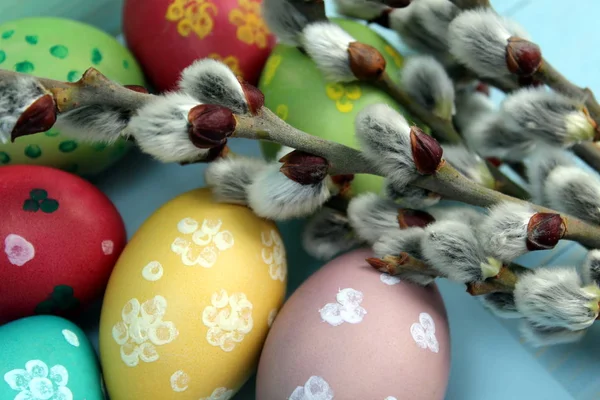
[444,129]
[94,88]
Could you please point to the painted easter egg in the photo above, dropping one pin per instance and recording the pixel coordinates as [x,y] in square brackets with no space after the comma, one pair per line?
[168,35]
[60,237]
[190,301]
[350,332]
[298,93]
[63,49]
[47,358]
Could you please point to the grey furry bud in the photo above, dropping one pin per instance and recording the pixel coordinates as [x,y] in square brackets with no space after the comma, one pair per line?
[328,233]
[327,45]
[590,269]
[540,336]
[361,9]
[423,25]
[546,116]
[541,163]
[284,20]
[396,241]
[426,80]
[274,196]
[384,136]
[370,215]
[410,196]
[465,214]
[452,248]
[501,304]
[572,190]
[212,82]
[478,39]
[94,124]
[161,128]
[555,298]
[503,233]
[471,104]
[230,178]
[469,164]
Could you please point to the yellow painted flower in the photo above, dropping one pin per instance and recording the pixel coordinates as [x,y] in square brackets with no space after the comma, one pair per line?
[271,68]
[398,60]
[282,111]
[192,16]
[231,61]
[343,95]
[251,27]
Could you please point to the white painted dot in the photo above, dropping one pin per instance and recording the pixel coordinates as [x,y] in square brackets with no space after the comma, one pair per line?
[71,337]
[153,271]
[179,381]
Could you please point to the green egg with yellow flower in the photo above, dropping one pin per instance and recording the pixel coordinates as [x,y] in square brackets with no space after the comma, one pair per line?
[63,49]
[299,94]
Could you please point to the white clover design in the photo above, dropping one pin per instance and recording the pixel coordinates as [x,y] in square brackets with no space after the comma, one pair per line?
[423,332]
[142,329]
[347,309]
[201,244]
[390,398]
[220,394]
[229,319]
[18,250]
[153,271]
[36,382]
[316,388]
[71,337]
[273,254]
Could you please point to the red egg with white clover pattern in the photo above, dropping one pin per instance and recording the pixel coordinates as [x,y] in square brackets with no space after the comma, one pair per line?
[60,237]
[166,36]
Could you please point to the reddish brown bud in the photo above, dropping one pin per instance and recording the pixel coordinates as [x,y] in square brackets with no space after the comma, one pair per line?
[523,57]
[210,125]
[426,151]
[544,231]
[496,162]
[408,218]
[38,117]
[366,62]
[254,97]
[137,88]
[343,182]
[304,168]
[380,265]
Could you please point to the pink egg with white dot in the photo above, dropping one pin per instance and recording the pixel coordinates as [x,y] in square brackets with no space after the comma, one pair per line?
[351,332]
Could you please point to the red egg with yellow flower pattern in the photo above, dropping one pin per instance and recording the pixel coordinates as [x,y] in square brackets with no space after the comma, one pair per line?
[168,35]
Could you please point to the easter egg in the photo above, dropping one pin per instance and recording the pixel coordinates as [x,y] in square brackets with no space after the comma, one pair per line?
[298,93]
[190,301]
[47,358]
[351,332]
[63,49]
[168,35]
[60,237]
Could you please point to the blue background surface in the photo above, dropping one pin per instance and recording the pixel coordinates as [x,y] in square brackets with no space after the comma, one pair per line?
[489,361]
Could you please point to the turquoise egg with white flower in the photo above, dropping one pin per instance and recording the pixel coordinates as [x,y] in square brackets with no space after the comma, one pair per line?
[47,358]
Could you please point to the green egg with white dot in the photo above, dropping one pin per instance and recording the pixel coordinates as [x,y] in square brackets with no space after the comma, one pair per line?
[47,357]
[63,49]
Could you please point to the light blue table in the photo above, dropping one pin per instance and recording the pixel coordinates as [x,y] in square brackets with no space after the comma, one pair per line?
[488,360]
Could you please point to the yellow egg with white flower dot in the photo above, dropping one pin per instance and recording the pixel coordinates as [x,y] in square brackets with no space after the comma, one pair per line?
[190,301]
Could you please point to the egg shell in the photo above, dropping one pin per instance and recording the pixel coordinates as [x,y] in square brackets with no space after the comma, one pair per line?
[47,357]
[190,301]
[63,49]
[168,35]
[360,334]
[298,93]
[59,239]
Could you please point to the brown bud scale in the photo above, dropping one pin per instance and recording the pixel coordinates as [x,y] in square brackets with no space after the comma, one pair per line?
[544,231]
[210,125]
[427,152]
[523,57]
[254,97]
[38,117]
[366,62]
[137,88]
[304,168]
[409,218]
